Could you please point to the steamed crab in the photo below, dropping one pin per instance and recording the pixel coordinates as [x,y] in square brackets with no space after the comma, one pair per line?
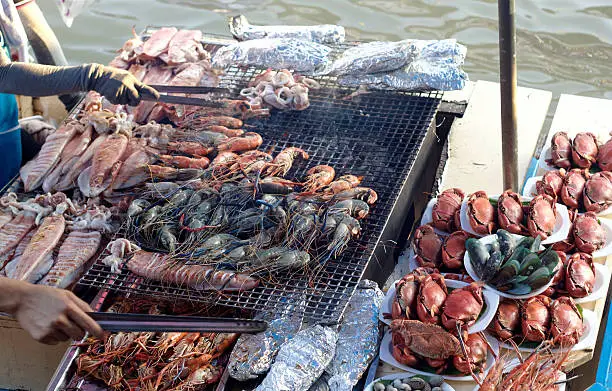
[535,318]
[453,249]
[598,192]
[573,187]
[551,183]
[579,275]
[589,235]
[542,216]
[566,321]
[427,246]
[561,150]
[507,319]
[431,298]
[446,210]
[510,212]
[476,348]
[604,156]
[462,308]
[584,149]
[481,213]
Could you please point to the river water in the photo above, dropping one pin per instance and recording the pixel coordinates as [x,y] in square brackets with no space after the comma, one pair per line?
[564,46]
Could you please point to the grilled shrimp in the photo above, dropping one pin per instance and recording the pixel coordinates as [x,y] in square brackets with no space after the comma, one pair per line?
[229,132]
[282,163]
[190,148]
[248,142]
[184,161]
[345,182]
[318,177]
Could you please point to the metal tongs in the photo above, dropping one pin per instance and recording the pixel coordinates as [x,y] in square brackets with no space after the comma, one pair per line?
[185,100]
[114,322]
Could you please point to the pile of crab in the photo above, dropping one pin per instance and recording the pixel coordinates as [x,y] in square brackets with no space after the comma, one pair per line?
[537,319]
[424,305]
[583,180]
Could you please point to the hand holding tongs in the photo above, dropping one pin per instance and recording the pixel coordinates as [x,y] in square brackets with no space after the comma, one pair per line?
[185,100]
[111,321]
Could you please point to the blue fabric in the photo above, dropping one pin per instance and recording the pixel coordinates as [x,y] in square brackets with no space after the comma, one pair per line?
[10,133]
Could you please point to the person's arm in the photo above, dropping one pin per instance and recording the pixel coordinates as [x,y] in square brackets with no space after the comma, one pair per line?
[118,86]
[40,35]
[49,315]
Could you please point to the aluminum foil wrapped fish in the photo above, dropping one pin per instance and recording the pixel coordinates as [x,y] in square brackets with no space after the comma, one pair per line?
[357,338]
[275,53]
[301,360]
[375,57]
[242,30]
[254,353]
[436,67]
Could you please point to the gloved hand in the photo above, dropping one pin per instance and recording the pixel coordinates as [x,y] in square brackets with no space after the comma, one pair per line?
[118,86]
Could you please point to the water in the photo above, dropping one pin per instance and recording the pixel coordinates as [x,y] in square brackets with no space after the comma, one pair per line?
[564,46]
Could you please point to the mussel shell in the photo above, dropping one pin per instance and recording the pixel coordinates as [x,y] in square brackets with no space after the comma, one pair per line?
[530,263]
[492,266]
[550,258]
[526,242]
[520,289]
[507,272]
[478,254]
[539,277]
[493,247]
[506,242]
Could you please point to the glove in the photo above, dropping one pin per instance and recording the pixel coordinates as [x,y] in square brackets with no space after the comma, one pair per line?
[118,86]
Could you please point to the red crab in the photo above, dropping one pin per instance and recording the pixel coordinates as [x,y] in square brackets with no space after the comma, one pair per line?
[573,187]
[476,347]
[584,149]
[542,216]
[446,208]
[431,298]
[535,318]
[510,212]
[561,150]
[579,275]
[598,192]
[462,307]
[427,246]
[453,249]
[589,235]
[604,156]
[481,213]
[566,322]
[551,183]
[507,319]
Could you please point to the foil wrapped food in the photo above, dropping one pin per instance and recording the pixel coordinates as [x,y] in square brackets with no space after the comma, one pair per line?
[357,338]
[375,57]
[437,66]
[242,30]
[254,353]
[301,360]
[276,53]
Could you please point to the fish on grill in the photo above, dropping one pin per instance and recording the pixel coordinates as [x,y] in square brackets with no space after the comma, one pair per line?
[160,267]
[13,232]
[69,156]
[33,174]
[40,247]
[158,42]
[12,256]
[41,269]
[78,248]
[104,161]
[84,161]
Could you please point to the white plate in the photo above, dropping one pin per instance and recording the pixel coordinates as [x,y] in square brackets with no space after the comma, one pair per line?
[467,263]
[560,232]
[428,217]
[530,191]
[600,288]
[403,375]
[588,340]
[386,356]
[513,363]
[490,298]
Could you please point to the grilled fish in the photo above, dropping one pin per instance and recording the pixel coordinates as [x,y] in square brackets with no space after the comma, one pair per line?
[42,244]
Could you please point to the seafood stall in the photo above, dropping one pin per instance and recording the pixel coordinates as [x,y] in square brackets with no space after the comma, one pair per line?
[266,193]
[277,179]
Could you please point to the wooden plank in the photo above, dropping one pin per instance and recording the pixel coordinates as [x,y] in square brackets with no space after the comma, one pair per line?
[474,161]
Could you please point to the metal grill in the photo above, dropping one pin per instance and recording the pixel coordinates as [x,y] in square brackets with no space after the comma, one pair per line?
[375,135]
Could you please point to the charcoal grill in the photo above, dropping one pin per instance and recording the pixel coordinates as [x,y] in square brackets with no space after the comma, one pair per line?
[376,135]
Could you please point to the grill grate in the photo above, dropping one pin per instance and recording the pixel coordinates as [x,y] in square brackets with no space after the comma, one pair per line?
[375,135]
